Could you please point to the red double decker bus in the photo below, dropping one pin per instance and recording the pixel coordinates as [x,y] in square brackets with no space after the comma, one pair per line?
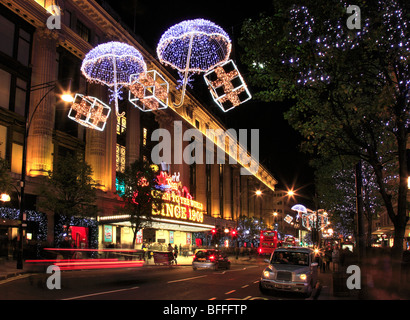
[268,242]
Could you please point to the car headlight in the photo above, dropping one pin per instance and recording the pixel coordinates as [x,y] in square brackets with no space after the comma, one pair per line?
[266,274]
[303,276]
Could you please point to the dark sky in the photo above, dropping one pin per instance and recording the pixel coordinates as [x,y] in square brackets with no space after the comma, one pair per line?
[279,143]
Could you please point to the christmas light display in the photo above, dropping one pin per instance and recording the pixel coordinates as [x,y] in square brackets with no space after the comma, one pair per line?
[112,64]
[38,224]
[194,46]
[315,220]
[227,86]
[89,112]
[149,91]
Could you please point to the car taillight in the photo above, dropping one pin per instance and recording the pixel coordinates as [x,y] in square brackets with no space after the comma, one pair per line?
[212,258]
[260,250]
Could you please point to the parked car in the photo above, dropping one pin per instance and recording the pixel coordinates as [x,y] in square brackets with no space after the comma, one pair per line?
[210,259]
[290,269]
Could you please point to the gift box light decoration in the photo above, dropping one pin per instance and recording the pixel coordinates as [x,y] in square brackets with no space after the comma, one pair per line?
[227,86]
[89,112]
[149,91]
[112,64]
[193,46]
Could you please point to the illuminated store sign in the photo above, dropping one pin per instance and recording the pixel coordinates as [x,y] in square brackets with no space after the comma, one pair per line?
[177,201]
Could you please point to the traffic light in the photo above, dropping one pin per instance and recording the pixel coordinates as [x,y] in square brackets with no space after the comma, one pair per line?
[234,233]
[213,231]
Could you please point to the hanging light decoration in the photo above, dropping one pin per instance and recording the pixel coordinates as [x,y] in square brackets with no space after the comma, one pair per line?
[193,46]
[227,86]
[149,91]
[112,64]
[89,112]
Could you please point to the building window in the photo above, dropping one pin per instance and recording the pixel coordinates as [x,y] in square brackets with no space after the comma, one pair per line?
[6,36]
[5,81]
[144,136]
[21,97]
[208,190]
[121,142]
[13,87]
[83,31]
[121,125]
[24,42]
[3,141]
[15,41]
[16,158]
[221,190]
[67,18]
[120,158]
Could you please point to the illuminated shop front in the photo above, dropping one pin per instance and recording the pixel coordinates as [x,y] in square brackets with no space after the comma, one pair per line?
[175,223]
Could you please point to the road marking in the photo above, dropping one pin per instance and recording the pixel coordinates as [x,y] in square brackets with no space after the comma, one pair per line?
[230,292]
[245,286]
[100,293]
[22,276]
[186,279]
[214,298]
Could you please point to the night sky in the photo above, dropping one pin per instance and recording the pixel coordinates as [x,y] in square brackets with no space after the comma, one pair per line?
[279,143]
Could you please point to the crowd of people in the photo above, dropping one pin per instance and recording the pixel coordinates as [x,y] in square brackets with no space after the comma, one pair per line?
[332,259]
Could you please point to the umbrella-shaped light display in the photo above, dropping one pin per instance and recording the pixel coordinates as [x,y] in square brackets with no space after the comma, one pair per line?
[299,208]
[112,64]
[193,46]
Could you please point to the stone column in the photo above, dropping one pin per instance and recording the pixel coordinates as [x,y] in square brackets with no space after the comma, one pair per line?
[227,194]
[40,138]
[95,150]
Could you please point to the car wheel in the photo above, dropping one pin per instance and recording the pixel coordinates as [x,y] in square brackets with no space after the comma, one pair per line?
[264,290]
[309,290]
[228,266]
[216,267]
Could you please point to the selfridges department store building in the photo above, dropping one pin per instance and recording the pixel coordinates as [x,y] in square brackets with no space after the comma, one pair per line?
[31,55]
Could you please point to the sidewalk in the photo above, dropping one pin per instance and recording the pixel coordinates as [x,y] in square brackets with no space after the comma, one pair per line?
[8,269]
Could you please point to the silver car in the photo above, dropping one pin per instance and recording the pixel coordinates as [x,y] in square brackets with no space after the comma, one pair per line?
[290,269]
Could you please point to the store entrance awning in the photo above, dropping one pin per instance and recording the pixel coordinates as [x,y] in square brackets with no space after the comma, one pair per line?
[160,224]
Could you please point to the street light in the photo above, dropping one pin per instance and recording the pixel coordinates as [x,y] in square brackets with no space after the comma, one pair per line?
[67,97]
[28,120]
[4,197]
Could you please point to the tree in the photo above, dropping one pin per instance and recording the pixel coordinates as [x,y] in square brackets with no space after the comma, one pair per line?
[138,191]
[335,184]
[349,88]
[249,229]
[69,190]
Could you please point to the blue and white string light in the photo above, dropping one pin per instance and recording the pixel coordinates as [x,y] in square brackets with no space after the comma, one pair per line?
[112,64]
[194,46]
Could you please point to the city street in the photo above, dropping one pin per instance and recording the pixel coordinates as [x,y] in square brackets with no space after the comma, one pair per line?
[145,283]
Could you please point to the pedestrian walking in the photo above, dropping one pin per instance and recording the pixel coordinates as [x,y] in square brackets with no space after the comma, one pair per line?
[335,259]
[175,251]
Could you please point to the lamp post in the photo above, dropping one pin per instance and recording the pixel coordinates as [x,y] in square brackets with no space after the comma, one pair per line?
[22,218]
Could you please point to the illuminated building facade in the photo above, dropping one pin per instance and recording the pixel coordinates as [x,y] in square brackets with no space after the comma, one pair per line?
[31,54]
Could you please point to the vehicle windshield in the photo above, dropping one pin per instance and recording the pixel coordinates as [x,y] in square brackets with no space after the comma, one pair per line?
[204,254]
[291,258]
[268,234]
